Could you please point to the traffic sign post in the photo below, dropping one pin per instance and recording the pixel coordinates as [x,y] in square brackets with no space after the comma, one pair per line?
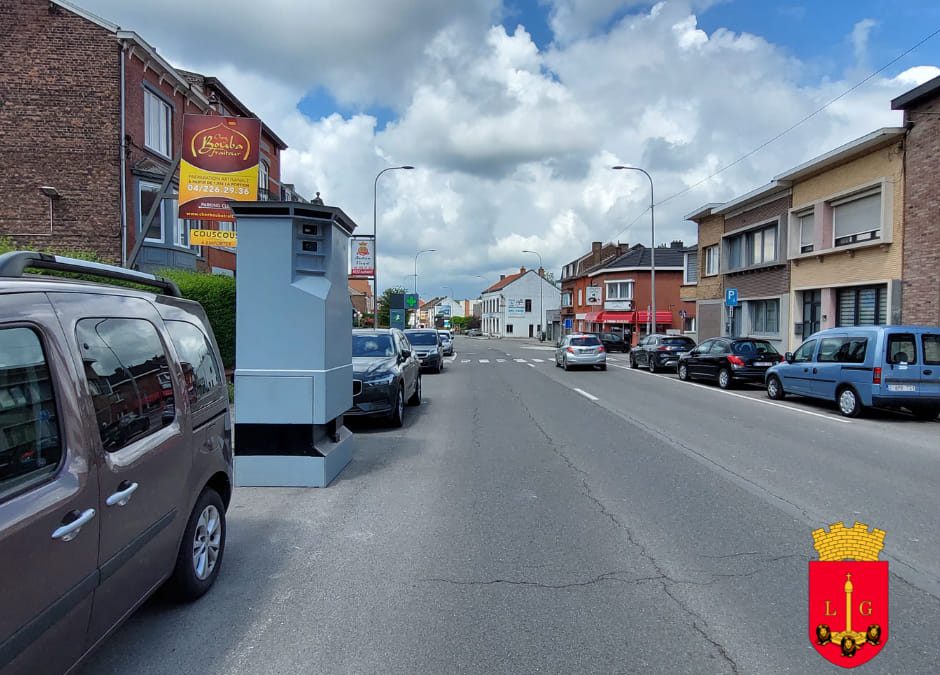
[731,297]
[397,318]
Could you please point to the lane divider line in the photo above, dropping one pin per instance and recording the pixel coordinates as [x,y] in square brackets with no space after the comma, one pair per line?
[484,360]
[586,395]
[519,360]
[531,365]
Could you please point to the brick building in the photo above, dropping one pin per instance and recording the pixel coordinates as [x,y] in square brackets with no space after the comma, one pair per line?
[921,264]
[574,278]
[709,289]
[98,117]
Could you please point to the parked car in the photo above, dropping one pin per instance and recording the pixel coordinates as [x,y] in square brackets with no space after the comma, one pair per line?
[474,332]
[865,366]
[111,484]
[729,360]
[447,342]
[580,349]
[386,373]
[428,348]
[658,351]
[613,342]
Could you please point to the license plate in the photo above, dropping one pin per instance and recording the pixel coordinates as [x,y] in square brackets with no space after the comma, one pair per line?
[762,363]
[902,387]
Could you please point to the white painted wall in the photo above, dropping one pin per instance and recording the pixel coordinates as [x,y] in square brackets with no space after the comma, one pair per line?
[524,288]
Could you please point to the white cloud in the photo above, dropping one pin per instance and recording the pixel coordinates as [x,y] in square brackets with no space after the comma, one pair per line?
[860,34]
[514,144]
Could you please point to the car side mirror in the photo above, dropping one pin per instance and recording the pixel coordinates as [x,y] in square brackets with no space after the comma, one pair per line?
[406,353]
[788,357]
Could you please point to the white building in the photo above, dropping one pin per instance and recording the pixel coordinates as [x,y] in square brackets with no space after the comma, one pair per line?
[511,305]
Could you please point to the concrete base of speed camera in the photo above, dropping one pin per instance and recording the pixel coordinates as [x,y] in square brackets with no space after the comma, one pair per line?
[296,470]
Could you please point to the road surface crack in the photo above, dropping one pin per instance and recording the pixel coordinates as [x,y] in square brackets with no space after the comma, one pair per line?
[607,576]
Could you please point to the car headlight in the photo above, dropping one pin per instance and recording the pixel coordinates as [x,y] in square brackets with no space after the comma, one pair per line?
[379,379]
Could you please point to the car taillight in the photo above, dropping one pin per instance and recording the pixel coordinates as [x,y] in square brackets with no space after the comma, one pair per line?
[876,376]
[570,350]
[601,348]
[662,349]
[736,361]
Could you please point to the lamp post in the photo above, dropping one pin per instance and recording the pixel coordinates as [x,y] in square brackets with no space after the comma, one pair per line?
[541,270]
[427,250]
[375,246]
[652,242]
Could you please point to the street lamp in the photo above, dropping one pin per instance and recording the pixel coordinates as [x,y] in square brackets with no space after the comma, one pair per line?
[426,250]
[541,269]
[375,250]
[652,242]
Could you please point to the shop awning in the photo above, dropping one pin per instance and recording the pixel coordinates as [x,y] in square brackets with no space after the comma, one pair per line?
[663,317]
[593,317]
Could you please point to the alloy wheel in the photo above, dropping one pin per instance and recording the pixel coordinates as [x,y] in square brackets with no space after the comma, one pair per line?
[206,542]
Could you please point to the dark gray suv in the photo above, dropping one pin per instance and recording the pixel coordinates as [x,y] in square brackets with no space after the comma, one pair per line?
[386,373]
[115,455]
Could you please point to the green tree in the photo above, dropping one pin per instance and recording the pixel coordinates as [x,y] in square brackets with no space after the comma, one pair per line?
[384,300]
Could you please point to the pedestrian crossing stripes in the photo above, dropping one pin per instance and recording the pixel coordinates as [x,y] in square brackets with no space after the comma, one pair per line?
[519,360]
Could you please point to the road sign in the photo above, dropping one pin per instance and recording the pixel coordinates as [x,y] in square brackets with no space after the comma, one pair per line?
[411,301]
[569,324]
[446,323]
[397,318]
[731,297]
[396,300]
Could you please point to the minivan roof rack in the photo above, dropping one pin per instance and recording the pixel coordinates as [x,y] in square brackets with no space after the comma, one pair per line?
[14,263]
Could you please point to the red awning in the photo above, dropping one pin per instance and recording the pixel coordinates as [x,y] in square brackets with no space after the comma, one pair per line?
[593,317]
[662,317]
[617,317]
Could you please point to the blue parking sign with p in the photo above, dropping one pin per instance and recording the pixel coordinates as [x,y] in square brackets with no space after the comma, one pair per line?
[569,323]
[731,297]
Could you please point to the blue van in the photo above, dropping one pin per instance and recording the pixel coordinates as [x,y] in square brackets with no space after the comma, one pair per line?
[864,366]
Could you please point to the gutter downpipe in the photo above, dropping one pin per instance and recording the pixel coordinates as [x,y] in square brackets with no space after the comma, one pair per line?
[123,168]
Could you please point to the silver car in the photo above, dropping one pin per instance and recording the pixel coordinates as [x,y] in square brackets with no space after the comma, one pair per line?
[447,342]
[580,350]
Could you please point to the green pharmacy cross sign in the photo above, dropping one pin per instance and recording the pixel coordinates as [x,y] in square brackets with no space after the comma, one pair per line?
[411,301]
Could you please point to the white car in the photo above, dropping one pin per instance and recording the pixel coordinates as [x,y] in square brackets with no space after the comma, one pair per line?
[447,342]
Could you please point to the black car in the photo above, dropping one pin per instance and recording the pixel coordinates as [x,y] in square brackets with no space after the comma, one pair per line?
[613,342]
[729,360]
[660,351]
[428,348]
[385,374]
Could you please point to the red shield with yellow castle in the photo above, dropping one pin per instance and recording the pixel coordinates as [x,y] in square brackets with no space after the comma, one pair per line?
[848,595]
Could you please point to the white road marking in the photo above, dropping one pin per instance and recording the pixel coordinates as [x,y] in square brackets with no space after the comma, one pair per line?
[519,360]
[539,360]
[531,365]
[484,360]
[746,398]
[500,360]
[465,360]
[586,395]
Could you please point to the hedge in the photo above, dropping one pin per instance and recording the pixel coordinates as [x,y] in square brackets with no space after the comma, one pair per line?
[216,293]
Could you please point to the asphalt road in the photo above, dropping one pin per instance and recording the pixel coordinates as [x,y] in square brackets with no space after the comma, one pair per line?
[529,520]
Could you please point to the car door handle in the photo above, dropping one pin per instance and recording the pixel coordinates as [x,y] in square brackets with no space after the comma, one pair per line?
[928,372]
[123,496]
[70,530]
[815,371]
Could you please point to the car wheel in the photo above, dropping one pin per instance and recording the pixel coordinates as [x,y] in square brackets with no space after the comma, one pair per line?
[603,366]
[849,405]
[651,364]
[415,399]
[683,372]
[200,555]
[926,412]
[775,389]
[633,363]
[397,417]
[440,367]
[564,364]
[724,378]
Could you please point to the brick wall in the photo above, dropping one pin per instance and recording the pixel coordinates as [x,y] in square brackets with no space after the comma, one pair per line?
[921,266]
[764,281]
[60,116]
[710,230]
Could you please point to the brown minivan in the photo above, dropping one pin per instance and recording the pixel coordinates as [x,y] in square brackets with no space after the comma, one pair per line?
[115,455]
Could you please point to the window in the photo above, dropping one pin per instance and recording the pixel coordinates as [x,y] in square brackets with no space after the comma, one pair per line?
[147,195]
[765,316]
[720,347]
[566,299]
[201,373]
[126,366]
[528,305]
[842,350]
[691,268]
[857,219]
[158,124]
[736,253]
[863,306]
[619,290]
[183,228]
[580,296]
[711,260]
[508,327]
[30,448]
[807,224]
[931,344]
[902,348]
[264,175]
[805,352]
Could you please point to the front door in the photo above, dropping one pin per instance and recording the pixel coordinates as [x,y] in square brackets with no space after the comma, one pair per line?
[797,375]
[49,516]
[812,312]
[142,445]
[697,357]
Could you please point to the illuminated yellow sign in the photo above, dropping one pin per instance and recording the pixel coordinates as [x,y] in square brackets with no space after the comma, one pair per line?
[212,238]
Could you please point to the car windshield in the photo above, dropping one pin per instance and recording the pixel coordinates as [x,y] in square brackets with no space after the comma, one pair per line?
[423,339]
[372,345]
[678,342]
[585,341]
[753,348]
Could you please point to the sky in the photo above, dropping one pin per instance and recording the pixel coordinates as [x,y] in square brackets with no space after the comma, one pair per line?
[513,111]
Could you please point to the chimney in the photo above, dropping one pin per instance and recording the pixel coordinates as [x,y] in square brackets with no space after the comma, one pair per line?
[596,252]
[677,243]
[541,272]
[502,276]
[522,270]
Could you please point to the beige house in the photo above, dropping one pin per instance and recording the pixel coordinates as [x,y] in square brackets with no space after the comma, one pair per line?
[845,235]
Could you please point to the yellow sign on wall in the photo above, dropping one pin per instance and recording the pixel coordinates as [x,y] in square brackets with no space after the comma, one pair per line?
[212,238]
